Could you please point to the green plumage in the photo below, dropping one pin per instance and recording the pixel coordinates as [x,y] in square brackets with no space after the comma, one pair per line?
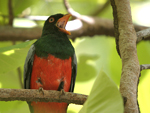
[59,46]
[53,41]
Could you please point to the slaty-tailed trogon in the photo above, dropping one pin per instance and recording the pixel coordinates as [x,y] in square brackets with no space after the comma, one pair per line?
[51,64]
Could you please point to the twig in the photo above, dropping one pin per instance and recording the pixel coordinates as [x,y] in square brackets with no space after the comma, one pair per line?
[75,14]
[128,52]
[144,66]
[34,95]
[70,10]
[10,9]
[20,76]
[143,34]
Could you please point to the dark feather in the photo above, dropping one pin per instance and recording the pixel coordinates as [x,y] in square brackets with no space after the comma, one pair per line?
[28,71]
[74,73]
[28,67]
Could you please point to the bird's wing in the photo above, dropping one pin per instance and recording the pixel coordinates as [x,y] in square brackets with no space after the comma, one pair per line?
[28,71]
[28,67]
[74,73]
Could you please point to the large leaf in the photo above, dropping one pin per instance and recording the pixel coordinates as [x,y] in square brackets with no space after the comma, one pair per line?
[104,97]
[143,50]
[3,7]
[13,56]
[89,71]
[17,5]
[20,5]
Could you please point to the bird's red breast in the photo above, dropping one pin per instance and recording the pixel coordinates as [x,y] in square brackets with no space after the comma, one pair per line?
[48,74]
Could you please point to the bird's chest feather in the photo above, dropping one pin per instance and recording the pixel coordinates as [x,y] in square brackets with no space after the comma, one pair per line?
[50,72]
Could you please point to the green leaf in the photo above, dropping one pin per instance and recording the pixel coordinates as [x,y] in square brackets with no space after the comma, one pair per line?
[4,7]
[56,6]
[89,70]
[14,107]
[143,51]
[104,97]
[20,5]
[13,56]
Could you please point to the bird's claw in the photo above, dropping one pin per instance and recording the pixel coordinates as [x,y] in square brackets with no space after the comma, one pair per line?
[41,90]
[62,92]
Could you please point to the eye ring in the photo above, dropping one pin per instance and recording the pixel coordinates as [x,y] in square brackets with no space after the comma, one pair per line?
[51,19]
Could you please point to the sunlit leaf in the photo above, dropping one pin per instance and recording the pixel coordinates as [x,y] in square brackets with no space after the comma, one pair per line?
[20,5]
[3,7]
[10,80]
[13,56]
[86,70]
[143,50]
[14,107]
[104,97]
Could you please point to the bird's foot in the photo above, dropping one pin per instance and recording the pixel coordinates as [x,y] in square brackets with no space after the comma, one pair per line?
[41,90]
[62,92]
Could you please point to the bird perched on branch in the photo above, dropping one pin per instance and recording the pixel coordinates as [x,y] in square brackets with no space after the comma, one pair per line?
[51,64]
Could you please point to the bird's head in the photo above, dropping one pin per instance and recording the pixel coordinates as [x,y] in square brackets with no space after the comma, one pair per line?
[56,23]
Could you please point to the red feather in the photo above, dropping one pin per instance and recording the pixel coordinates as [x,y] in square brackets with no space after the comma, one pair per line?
[51,71]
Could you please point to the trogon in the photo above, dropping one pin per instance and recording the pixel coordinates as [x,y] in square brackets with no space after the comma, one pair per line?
[51,64]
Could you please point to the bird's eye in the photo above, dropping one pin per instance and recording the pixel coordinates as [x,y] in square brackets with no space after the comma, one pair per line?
[51,19]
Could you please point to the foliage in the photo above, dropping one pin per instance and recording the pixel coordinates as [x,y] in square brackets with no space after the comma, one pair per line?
[106,99]
[12,56]
[93,54]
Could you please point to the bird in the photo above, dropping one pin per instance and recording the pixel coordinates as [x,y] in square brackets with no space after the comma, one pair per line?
[51,64]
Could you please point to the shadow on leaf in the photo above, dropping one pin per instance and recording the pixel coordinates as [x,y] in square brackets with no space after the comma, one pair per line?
[86,68]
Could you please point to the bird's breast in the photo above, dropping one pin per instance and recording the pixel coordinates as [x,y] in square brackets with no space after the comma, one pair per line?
[48,73]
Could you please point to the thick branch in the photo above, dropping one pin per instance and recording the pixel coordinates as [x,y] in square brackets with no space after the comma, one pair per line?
[34,95]
[127,47]
[8,33]
[98,27]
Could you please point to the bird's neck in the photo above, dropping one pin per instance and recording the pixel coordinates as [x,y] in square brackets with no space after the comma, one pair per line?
[55,44]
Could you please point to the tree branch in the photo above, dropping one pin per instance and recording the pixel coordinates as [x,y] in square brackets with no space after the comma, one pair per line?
[34,95]
[70,10]
[8,33]
[143,34]
[98,27]
[115,14]
[144,66]
[91,26]
[127,48]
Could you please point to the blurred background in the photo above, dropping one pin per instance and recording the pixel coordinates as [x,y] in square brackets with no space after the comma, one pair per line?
[93,54]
